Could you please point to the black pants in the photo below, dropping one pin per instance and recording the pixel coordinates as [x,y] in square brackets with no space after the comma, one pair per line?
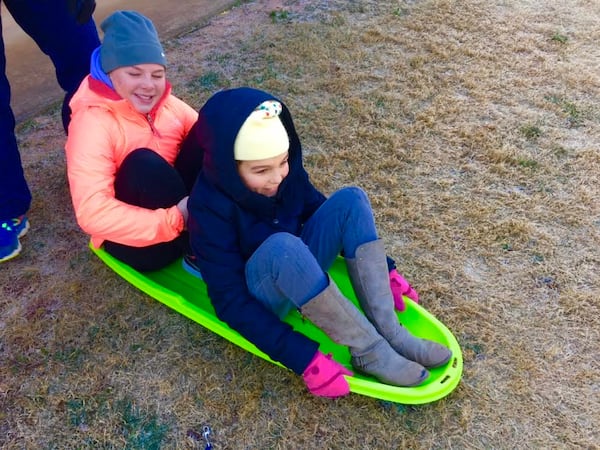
[69,45]
[146,179]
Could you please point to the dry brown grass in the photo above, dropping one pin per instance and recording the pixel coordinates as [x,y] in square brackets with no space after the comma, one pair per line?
[473,125]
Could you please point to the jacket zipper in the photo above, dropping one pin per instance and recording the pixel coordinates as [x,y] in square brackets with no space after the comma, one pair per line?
[151,123]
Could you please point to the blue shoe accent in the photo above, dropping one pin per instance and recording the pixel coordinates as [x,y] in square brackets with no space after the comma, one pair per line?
[10,246]
[10,232]
[189,265]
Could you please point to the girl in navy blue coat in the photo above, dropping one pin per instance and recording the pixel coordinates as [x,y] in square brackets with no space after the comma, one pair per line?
[264,238]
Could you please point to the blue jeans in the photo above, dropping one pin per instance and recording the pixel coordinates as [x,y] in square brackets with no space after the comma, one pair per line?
[287,271]
[69,45]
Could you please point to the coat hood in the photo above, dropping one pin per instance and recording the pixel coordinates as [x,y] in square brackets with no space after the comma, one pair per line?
[219,122]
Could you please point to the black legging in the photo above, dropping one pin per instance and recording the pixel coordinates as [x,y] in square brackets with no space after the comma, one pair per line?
[146,179]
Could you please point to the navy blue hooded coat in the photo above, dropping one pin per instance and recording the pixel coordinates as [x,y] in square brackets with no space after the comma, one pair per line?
[228,222]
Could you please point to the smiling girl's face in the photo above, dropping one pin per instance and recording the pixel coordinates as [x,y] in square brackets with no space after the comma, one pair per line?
[265,175]
[142,85]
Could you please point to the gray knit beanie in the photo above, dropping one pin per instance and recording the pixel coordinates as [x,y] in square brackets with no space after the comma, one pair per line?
[129,39]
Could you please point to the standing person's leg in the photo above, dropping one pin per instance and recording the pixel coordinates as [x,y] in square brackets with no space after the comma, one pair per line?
[15,197]
[145,179]
[69,44]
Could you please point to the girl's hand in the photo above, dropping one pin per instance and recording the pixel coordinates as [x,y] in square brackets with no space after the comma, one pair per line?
[401,287]
[324,377]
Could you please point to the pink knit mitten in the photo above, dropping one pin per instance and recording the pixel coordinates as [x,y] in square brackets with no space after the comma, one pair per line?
[324,377]
[401,287]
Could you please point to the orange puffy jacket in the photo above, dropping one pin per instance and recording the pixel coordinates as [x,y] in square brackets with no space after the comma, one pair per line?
[104,129]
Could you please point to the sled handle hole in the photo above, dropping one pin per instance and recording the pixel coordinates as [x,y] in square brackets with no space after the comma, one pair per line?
[446,378]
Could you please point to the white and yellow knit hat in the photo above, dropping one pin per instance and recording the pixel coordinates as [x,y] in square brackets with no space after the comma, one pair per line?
[262,135]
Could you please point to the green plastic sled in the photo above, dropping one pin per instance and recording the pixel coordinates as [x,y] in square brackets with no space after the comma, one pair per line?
[187,295]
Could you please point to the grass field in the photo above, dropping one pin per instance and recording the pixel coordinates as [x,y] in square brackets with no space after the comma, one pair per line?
[474,125]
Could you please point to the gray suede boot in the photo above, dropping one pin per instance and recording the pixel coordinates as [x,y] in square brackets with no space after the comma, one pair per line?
[371,353]
[369,275]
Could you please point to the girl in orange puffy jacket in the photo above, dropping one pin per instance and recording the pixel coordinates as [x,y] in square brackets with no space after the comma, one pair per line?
[129,164]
